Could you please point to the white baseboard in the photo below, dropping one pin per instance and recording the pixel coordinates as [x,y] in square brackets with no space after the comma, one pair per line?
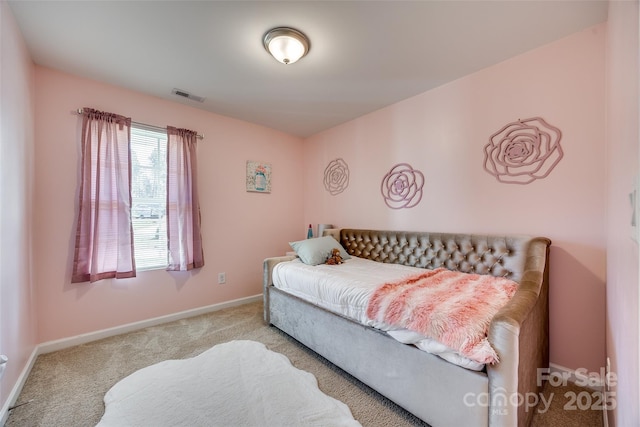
[56,345]
[15,392]
[594,381]
[61,344]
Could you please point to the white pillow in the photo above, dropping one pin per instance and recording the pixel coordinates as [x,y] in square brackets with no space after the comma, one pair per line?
[316,251]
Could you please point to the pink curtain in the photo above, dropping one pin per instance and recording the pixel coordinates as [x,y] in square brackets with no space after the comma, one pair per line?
[104,235]
[183,205]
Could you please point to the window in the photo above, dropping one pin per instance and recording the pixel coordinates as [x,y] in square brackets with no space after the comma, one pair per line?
[149,197]
[155,172]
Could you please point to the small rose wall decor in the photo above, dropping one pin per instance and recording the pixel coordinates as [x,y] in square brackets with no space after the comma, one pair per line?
[523,151]
[402,186]
[336,176]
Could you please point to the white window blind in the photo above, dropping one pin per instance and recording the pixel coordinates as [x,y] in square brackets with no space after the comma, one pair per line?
[149,197]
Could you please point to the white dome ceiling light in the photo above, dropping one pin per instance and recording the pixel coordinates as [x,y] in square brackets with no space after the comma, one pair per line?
[286,44]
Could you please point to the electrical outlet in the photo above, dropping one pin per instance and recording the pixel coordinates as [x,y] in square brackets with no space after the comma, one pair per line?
[222,278]
[634,200]
[3,364]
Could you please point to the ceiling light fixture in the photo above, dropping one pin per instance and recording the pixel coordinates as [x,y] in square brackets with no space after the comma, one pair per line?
[286,44]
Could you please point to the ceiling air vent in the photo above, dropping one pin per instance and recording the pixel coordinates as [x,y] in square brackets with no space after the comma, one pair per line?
[184,94]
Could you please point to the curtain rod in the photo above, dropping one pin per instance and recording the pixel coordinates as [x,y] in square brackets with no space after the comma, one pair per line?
[144,125]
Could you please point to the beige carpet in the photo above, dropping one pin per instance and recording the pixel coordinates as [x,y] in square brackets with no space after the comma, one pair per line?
[66,388]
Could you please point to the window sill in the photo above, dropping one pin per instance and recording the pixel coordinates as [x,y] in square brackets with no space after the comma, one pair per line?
[150,268]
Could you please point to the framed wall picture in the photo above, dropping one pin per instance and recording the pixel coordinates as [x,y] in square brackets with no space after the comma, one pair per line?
[258,177]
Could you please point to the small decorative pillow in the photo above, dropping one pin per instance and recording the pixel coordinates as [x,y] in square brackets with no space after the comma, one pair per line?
[316,251]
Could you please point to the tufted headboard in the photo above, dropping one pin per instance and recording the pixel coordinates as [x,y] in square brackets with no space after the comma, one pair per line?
[469,253]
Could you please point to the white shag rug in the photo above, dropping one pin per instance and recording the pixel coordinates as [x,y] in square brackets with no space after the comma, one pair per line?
[239,383]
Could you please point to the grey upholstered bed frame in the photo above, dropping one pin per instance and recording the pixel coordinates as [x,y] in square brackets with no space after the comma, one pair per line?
[438,392]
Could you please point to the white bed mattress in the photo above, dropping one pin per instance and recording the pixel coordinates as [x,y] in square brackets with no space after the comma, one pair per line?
[345,289]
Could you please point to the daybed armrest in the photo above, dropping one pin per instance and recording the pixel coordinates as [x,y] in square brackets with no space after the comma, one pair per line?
[268,265]
[519,334]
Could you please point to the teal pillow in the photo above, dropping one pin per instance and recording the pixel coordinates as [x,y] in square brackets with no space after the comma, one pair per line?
[316,251]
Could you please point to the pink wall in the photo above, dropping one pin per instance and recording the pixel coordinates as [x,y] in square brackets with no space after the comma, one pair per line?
[17,310]
[240,229]
[442,132]
[622,252]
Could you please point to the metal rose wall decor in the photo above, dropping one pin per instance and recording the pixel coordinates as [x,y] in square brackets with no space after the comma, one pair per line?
[336,176]
[402,186]
[523,151]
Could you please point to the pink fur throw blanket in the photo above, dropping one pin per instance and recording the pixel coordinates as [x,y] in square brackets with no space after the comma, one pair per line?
[451,307]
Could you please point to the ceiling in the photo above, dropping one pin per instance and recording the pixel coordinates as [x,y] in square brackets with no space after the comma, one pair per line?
[364,55]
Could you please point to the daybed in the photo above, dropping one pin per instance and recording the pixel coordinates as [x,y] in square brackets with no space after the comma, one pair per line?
[435,390]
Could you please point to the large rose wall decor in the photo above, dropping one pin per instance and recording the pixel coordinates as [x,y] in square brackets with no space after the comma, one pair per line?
[523,151]
[336,176]
[402,187]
